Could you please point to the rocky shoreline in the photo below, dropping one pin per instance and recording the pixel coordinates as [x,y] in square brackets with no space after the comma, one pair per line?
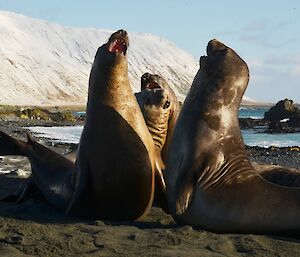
[284,156]
[33,228]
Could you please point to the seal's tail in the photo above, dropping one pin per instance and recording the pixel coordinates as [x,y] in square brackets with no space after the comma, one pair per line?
[12,146]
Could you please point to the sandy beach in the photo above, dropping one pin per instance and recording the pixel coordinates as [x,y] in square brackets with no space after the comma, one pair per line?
[33,228]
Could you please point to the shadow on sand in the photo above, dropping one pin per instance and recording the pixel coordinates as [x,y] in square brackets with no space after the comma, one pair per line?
[36,209]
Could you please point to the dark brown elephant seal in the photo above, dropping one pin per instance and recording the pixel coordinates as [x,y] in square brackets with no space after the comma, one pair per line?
[211,183]
[160,108]
[113,177]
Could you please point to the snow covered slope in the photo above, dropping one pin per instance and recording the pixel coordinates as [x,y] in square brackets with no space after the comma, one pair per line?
[48,64]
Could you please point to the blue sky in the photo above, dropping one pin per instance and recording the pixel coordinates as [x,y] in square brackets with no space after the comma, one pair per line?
[264,33]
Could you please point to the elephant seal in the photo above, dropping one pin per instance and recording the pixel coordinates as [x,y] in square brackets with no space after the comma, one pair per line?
[113,177]
[115,159]
[152,82]
[160,108]
[210,181]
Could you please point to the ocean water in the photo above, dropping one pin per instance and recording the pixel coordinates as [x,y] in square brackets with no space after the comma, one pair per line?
[257,138]
[253,137]
[67,134]
[253,113]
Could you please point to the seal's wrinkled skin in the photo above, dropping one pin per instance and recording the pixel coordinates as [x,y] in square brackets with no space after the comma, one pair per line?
[160,108]
[151,82]
[210,181]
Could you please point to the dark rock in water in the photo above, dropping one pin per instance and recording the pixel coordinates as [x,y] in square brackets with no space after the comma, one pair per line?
[284,117]
[284,109]
[249,123]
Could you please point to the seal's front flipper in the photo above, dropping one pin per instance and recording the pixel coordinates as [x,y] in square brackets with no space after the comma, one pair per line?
[160,166]
[11,198]
[51,172]
[25,190]
[160,197]
[78,202]
[11,146]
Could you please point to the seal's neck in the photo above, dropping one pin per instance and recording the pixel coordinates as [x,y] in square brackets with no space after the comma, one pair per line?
[158,127]
[108,84]
[223,128]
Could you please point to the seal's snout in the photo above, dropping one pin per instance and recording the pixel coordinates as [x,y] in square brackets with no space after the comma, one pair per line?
[149,81]
[119,33]
[157,97]
[146,76]
[122,32]
[215,46]
[118,42]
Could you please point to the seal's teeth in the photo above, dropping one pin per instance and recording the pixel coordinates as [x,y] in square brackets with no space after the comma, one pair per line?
[118,46]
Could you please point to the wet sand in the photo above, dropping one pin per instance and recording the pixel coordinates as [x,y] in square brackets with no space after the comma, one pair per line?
[33,228]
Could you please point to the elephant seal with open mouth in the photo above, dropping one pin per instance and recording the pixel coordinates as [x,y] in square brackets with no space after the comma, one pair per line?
[160,108]
[113,176]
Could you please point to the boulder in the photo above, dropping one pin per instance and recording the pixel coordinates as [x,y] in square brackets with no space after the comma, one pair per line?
[283,117]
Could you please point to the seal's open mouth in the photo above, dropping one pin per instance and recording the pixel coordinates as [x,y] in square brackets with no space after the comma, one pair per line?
[152,85]
[118,45]
[118,42]
[148,81]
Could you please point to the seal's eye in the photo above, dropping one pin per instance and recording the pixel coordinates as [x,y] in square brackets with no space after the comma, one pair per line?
[166,105]
[118,45]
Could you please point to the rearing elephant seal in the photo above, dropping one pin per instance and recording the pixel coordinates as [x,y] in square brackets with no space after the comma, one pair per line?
[210,181]
[160,108]
[115,159]
[152,82]
[113,177]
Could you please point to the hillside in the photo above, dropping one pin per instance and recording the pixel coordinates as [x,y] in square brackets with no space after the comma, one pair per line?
[48,64]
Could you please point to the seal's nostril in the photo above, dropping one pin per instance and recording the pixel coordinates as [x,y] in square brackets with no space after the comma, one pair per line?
[215,46]
[122,32]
